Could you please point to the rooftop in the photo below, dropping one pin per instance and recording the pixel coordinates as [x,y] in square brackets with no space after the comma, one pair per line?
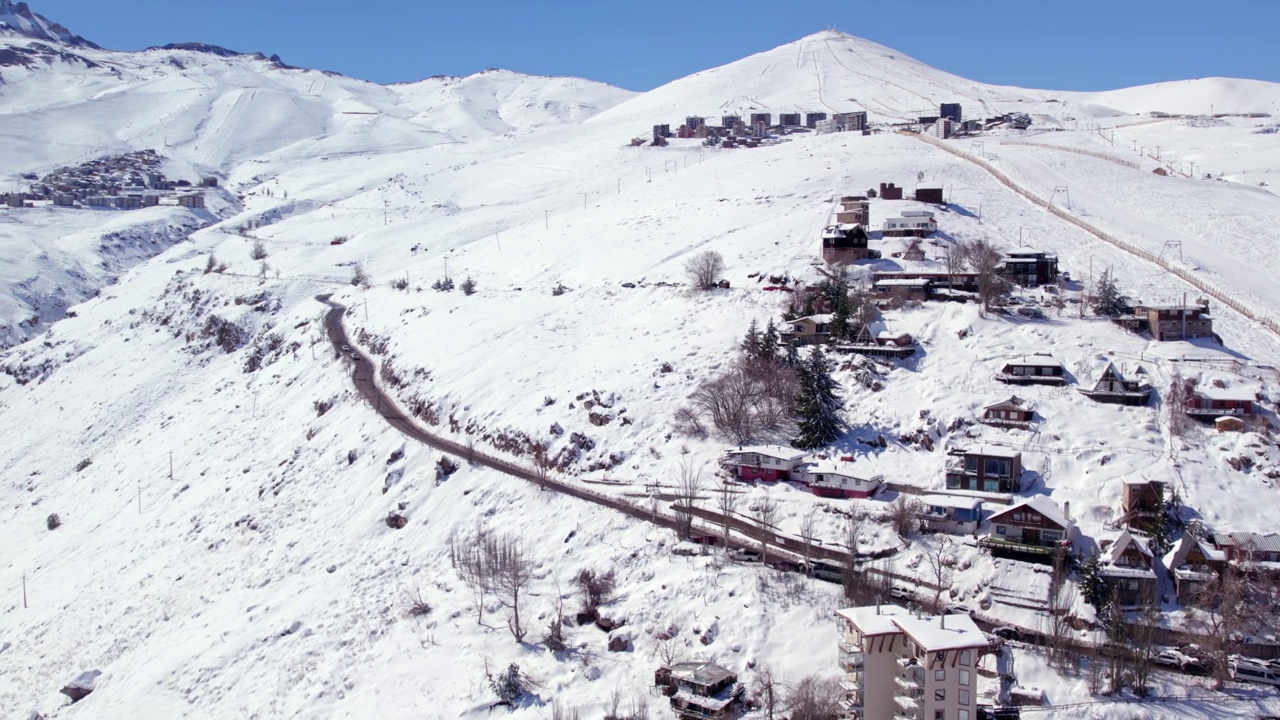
[1254,542]
[874,619]
[701,673]
[1041,504]
[951,501]
[775,451]
[930,632]
[1034,361]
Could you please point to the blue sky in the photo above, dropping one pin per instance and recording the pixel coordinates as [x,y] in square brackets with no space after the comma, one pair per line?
[1053,44]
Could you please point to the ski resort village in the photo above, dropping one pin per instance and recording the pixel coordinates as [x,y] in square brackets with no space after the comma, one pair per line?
[819,385]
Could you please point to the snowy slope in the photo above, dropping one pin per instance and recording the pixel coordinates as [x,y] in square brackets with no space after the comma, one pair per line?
[224,553]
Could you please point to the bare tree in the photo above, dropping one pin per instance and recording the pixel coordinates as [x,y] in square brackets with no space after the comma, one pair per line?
[1177,400]
[765,513]
[211,264]
[666,650]
[808,529]
[904,515]
[986,262]
[852,529]
[768,691]
[1222,625]
[512,572]
[1061,601]
[259,250]
[815,698]
[752,398]
[953,259]
[688,487]
[1142,634]
[467,555]
[704,269]
[727,498]
[941,558]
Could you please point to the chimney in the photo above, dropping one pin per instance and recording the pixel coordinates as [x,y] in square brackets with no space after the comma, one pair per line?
[944,620]
[1066,510]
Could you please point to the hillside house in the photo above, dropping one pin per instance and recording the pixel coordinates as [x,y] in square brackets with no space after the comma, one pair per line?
[912,223]
[941,281]
[984,468]
[1014,413]
[901,664]
[1141,505]
[1028,267]
[1170,322]
[872,339]
[1126,570]
[890,192]
[771,463]
[845,243]
[930,193]
[830,479]
[902,289]
[808,330]
[1196,567]
[1035,526]
[1032,370]
[1208,401]
[956,514]
[1113,387]
[699,690]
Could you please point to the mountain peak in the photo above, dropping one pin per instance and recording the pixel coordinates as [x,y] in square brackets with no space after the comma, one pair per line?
[18,19]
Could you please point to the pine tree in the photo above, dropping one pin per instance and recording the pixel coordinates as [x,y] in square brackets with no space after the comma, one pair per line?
[840,328]
[769,343]
[1106,297]
[751,343]
[792,357]
[818,403]
[1093,588]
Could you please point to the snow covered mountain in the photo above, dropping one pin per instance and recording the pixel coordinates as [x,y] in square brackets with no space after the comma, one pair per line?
[222,492]
[16,19]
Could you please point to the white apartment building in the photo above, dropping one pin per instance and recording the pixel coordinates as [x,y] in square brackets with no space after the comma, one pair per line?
[904,666]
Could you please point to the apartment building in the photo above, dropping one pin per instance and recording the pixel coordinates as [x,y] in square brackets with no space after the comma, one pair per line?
[906,666]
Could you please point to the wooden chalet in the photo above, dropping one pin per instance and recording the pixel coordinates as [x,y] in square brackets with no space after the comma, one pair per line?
[1170,322]
[985,468]
[889,289]
[808,330]
[1113,387]
[1127,571]
[957,514]
[1014,413]
[762,462]
[1035,527]
[1252,551]
[837,480]
[1141,505]
[1196,567]
[874,340]
[700,690]
[1032,370]
[854,209]
[846,243]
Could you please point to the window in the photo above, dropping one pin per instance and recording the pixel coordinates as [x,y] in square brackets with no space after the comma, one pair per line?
[940,676]
[939,715]
[1050,535]
[940,695]
[964,677]
[964,697]
[1001,530]
[963,715]
[953,483]
[1017,517]
[966,657]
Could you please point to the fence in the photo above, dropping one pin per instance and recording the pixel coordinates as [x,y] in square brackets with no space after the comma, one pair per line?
[1210,289]
[1101,156]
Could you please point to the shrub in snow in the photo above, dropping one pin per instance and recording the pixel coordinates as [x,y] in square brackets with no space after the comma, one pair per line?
[469,286]
[596,588]
[83,464]
[445,467]
[396,521]
[400,284]
[417,606]
[704,269]
[359,277]
[509,684]
[53,522]
[559,289]
[554,639]
[258,251]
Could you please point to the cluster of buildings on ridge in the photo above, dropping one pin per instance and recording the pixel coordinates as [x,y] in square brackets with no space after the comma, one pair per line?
[121,182]
[761,127]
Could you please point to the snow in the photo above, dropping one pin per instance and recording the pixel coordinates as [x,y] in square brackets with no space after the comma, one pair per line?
[1041,504]
[950,501]
[261,578]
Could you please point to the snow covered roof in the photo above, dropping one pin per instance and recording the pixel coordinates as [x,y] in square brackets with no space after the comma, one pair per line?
[831,467]
[701,673]
[1238,392]
[917,213]
[823,319]
[1123,543]
[929,186]
[951,501]
[1012,402]
[993,451]
[1034,361]
[1041,504]
[774,451]
[942,632]
[874,619]
[1177,557]
[1025,251]
[904,282]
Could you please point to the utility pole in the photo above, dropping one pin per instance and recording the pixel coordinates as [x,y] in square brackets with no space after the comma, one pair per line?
[139,496]
[384,211]
[546,220]
[24,591]
[170,466]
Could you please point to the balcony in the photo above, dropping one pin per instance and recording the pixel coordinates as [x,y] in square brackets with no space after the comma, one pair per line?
[999,543]
[852,661]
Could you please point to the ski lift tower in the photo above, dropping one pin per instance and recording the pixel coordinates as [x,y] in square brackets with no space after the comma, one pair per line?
[1066,194]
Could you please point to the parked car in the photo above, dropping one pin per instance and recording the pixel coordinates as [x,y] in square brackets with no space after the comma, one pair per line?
[1170,658]
[901,592]
[1246,669]
[1007,632]
[745,555]
[959,609]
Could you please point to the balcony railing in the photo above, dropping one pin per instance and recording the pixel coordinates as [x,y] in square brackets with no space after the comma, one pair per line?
[850,661]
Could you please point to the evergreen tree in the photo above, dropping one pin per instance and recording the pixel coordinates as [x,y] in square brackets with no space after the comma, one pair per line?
[817,404]
[1106,297]
[769,343]
[1093,588]
[840,327]
[751,343]
[792,358]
